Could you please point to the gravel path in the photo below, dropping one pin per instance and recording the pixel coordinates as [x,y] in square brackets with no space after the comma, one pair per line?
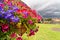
[56,29]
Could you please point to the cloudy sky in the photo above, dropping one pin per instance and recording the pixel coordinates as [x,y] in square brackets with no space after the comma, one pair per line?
[40,4]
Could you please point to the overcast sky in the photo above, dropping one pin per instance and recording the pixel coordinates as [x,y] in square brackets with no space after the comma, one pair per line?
[40,4]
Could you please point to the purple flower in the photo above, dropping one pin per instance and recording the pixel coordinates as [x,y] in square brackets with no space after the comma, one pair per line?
[2,12]
[7,16]
[1,0]
[0,15]
[25,12]
[1,8]
[15,8]
[14,19]
[5,13]
[10,11]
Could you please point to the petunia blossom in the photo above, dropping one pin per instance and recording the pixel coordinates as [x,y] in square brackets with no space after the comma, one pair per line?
[13,35]
[18,38]
[5,27]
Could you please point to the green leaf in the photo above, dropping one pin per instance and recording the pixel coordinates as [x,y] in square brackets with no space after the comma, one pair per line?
[6,8]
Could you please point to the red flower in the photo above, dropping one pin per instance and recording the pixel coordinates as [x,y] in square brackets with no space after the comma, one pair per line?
[36,30]
[21,4]
[34,13]
[19,38]
[30,21]
[5,27]
[39,18]
[23,10]
[31,33]
[13,35]
[18,11]
[24,16]
[8,2]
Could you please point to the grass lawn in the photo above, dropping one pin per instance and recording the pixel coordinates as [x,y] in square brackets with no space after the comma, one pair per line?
[46,33]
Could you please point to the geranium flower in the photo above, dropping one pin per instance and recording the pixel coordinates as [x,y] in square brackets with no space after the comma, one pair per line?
[39,18]
[24,16]
[5,27]
[30,22]
[34,13]
[25,13]
[30,13]
[19,3]
[22,4]
[19,38]
[18,11]
[13,35]
[10,12]
[31,33]
[6,0]
[36,29]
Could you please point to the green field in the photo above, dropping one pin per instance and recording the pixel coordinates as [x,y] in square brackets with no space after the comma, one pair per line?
[46,33]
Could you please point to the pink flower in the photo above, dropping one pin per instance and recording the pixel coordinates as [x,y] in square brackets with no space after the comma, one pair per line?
[19,38]
[39,18]
[30,21]
[13,35]
[36,29]
[2,5]
[24,16]
[31,33]
[5,27]
[9,3]
[5,0]
[21,4]
[34,13]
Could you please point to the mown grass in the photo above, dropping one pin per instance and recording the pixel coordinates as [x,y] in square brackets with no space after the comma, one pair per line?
[46,33]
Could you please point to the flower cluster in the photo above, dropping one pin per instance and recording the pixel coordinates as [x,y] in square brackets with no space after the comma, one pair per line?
[16,18]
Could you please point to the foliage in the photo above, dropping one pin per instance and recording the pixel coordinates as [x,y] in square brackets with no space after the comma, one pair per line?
[16,18]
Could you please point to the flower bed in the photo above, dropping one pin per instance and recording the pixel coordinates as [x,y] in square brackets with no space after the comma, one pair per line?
[16,18]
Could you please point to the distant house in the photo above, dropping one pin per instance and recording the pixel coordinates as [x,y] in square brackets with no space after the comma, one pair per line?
[56,20]
[51,20]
